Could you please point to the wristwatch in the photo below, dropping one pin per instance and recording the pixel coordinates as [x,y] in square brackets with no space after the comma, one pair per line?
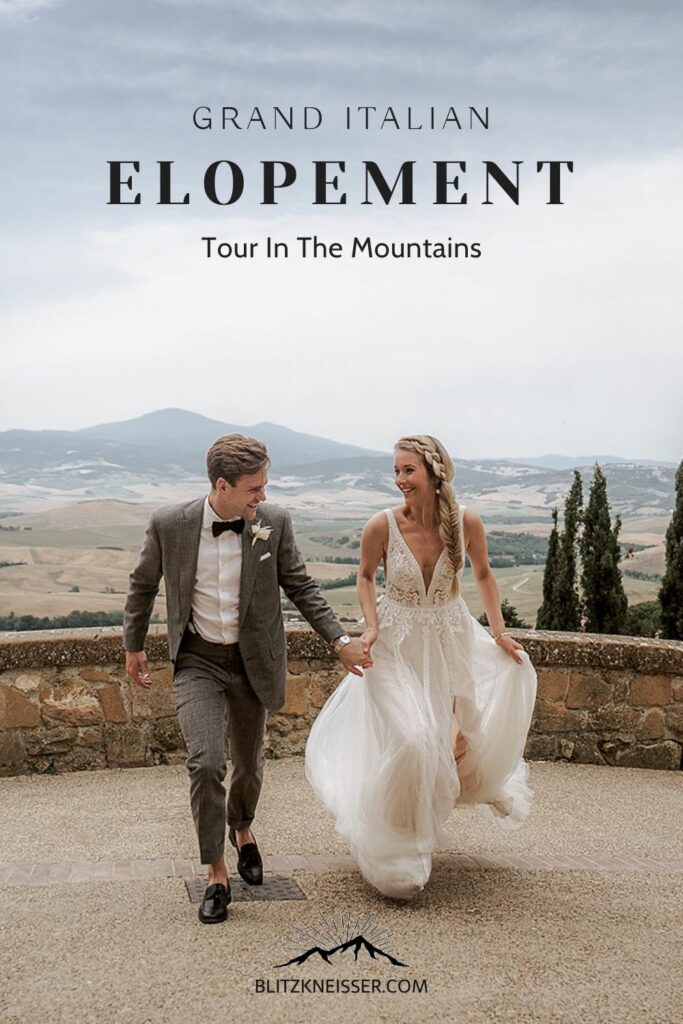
[340,642]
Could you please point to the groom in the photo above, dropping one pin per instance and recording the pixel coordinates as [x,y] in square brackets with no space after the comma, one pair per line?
[224,559]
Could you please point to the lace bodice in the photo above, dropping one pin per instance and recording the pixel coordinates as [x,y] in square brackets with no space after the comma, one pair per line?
[404,580]
[407,601]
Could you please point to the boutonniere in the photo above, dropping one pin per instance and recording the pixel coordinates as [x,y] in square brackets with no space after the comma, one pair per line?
[259,532]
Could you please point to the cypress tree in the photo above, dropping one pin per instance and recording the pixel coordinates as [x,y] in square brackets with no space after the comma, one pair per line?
[671,592]
[567,601]
[547,614]
[605,602]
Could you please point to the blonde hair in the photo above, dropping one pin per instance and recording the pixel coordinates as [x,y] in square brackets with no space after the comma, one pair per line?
[233,456]
[439,466]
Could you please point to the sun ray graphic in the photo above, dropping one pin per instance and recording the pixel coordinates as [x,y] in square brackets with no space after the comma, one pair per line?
[328,932]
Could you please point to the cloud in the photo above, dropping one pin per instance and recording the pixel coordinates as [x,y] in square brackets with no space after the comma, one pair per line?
[563,335]
[25,8]
[550,341]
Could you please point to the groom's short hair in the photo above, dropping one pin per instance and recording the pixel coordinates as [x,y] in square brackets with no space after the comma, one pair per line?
[233,456]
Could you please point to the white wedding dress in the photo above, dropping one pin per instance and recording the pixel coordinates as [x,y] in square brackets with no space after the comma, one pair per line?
[380,754]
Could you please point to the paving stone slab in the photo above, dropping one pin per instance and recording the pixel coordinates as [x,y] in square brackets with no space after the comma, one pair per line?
[277,888]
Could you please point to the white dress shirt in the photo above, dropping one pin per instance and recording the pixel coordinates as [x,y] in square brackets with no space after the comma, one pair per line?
[216,594]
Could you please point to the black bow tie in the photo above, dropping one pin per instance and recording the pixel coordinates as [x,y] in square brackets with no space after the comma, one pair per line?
[236,525]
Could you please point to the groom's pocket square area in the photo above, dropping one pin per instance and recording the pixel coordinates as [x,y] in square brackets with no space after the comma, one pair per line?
[263,557]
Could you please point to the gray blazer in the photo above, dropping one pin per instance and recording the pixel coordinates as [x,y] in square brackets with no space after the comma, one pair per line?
[170,549]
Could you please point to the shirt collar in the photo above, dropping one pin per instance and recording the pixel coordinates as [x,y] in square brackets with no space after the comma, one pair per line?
[211,517]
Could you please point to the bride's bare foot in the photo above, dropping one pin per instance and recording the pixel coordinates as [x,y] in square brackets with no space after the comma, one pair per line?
[460,748]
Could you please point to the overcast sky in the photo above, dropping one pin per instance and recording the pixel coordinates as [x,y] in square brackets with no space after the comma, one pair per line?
[564,336]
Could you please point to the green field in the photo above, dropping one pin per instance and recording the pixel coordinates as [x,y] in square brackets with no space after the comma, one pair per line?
[79,558]
[522,586]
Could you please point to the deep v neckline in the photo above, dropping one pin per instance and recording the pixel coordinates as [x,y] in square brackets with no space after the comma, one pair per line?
[425,589]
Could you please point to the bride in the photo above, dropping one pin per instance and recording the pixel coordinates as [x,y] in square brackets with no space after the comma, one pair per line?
[441,716]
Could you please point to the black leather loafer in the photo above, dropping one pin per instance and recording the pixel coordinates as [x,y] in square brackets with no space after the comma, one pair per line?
[214,906]
[249,863]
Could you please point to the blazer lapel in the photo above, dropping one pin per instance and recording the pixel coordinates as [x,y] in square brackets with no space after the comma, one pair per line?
[188,534]
[250,556]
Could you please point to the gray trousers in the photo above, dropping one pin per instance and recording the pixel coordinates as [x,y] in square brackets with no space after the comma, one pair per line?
[210,682]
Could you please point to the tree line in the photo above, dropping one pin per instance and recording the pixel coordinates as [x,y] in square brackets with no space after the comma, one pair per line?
[582,581]
[73,620]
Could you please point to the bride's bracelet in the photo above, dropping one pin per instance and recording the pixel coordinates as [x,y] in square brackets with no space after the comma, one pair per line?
[499,636]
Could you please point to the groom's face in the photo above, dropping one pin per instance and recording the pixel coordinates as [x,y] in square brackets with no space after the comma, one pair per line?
[241,498]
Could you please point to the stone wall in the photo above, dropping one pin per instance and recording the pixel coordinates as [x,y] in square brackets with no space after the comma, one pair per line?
[66,703]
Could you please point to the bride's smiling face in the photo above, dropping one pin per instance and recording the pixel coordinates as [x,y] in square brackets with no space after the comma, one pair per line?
[412,477]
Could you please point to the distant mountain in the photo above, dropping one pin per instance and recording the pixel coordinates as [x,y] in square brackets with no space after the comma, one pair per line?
[159,457]
[188,432]
[163,445]
[578,461]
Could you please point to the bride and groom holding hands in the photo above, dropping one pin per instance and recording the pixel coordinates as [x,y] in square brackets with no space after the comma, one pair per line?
[434,710]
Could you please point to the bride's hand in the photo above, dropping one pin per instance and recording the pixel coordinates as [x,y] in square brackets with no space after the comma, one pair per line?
[368,638]
[510,646]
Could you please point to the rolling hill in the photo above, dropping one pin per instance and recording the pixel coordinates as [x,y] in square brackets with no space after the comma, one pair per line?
[159,457]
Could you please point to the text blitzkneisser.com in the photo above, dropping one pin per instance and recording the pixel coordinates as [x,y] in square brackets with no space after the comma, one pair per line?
[340,986]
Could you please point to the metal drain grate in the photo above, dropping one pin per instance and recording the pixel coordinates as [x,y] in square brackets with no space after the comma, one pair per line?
[272,889]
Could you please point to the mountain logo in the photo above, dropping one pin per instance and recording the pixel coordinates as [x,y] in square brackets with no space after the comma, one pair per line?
[329,940]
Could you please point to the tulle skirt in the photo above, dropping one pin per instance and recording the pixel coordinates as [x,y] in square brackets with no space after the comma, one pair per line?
[381,754]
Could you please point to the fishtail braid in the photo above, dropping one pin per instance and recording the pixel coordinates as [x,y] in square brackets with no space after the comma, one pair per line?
[440,467]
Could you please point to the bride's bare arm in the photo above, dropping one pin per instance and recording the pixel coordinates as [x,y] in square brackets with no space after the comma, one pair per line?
[372,550]
[477,552]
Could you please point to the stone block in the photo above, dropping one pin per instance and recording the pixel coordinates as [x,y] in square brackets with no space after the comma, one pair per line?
[587,750]
[332,665]
[612,748]
[173,757]
[293,742]
[552,718]
[614,718]
[12,753]
[552,683]
[666,755]
[27,682]
[162,674]
[91,736]
[279,724]
[322,687]
[126,746]
[45,742]
[71,703]
[79,760]
[673,717]
[651,725]
[587,690]
[541,748]
[296,741]
[16,710]
[167,734]
[158,700]
[677,689]
[296,702]
[111,700]
[649,691]
[94,675]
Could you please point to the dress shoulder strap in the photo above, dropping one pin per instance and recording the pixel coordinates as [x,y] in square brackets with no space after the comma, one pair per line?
[393,525]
